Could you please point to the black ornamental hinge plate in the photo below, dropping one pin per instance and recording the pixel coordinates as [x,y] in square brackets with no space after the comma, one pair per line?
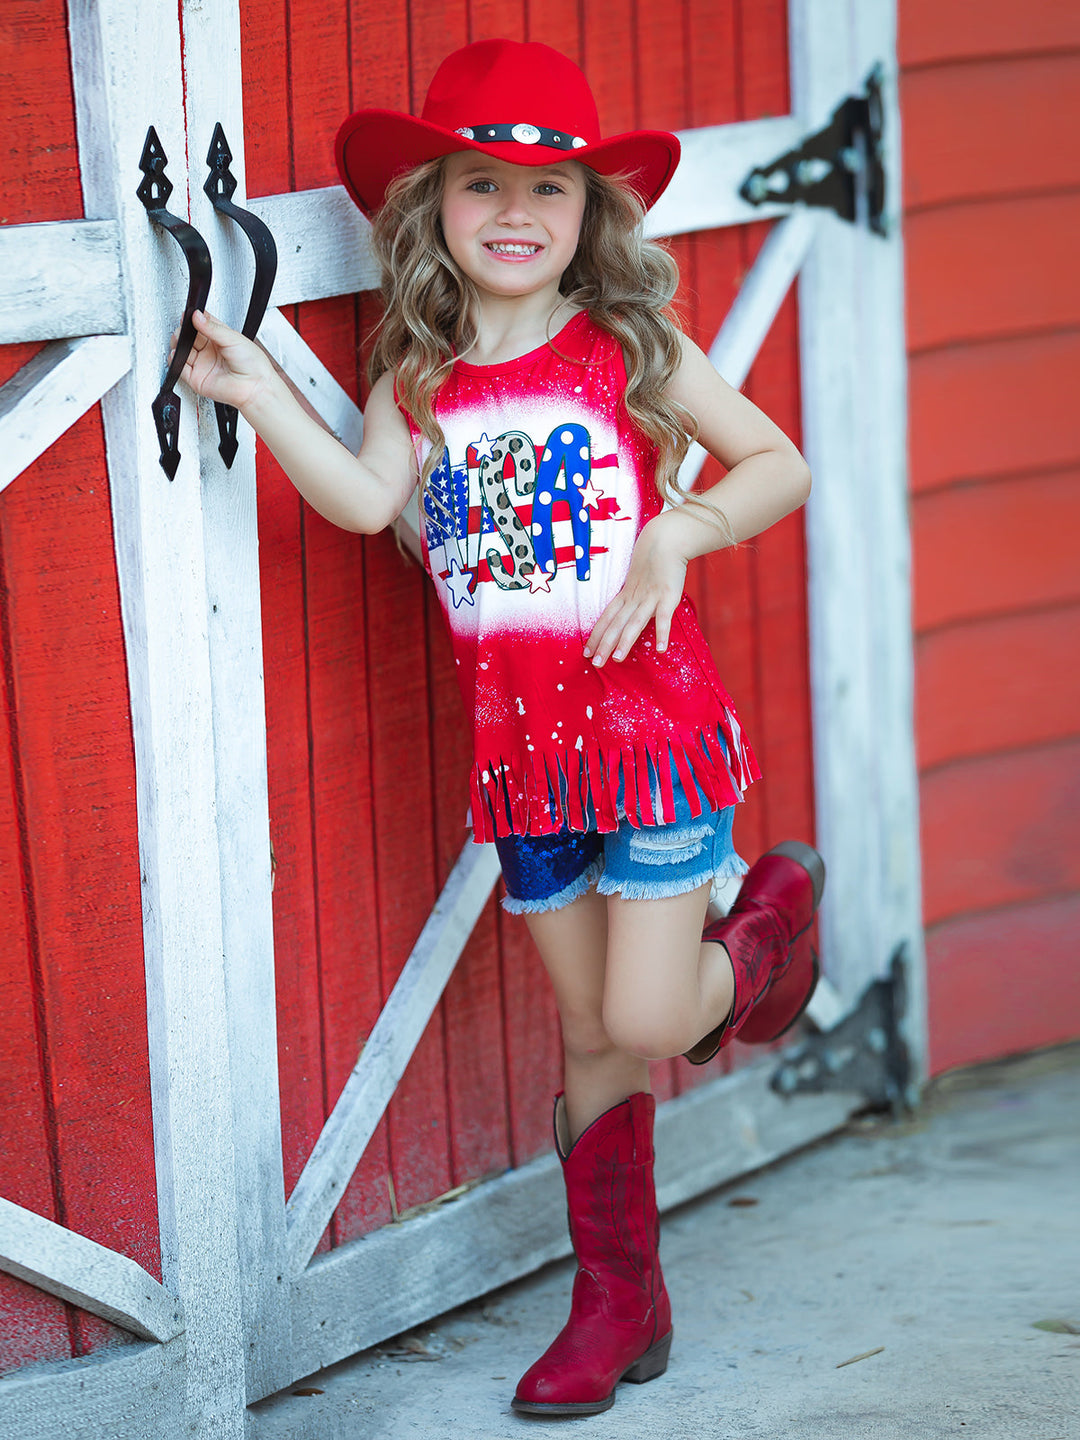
[865,1053]
[839,167]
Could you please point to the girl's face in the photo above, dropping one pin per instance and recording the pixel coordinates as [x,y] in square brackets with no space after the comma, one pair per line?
[512,229]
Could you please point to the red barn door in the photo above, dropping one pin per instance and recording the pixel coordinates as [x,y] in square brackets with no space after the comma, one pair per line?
[441,1123]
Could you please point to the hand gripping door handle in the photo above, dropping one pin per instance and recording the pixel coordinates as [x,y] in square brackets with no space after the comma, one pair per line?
[219,188]
[154,193]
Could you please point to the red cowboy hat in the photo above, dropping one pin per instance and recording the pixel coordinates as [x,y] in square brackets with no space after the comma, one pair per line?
[524,103]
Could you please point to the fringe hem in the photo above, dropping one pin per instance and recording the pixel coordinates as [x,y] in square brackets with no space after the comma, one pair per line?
[540,793]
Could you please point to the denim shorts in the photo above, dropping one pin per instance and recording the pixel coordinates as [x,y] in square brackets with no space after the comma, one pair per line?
[647,862]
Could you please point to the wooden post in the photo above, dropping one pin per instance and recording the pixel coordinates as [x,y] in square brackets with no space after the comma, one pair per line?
[128,76]
[851,324]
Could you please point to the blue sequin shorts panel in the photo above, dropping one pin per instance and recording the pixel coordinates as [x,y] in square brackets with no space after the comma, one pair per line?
[546,872]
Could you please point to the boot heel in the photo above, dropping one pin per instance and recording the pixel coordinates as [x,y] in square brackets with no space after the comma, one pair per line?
[651,1364]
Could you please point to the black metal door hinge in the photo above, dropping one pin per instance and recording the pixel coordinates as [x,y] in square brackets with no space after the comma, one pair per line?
[865,1053]
[839,167]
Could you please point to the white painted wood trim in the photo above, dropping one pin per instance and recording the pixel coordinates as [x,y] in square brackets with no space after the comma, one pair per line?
[324,242]
[60,279]
[753,311]
[851,321]
[360,1293]
[213,93]
[334,404]
[124,1392]
[86,1274]
[51,391]
[388,1050]
[127,75]
[716,159]
[338,410]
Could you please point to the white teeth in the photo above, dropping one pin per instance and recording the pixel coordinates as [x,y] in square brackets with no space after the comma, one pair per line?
[509,249]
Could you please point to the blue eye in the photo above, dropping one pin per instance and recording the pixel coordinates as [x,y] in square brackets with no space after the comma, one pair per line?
[477,184]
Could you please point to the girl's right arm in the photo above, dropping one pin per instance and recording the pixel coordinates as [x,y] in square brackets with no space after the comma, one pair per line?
[364,492]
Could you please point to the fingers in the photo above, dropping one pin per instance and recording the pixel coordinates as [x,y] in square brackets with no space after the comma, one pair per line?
[615,633]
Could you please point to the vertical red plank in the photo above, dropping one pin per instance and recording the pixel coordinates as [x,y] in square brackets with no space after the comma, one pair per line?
[39,167]
[402,783]
[784,678]
[533,1041]
[556,23]
[662,104]
[33,1325]
[347,903]
[610,61]
[288,759]
[496,20]
[764,58]
[712,78]
[264,58]
[435,30]
[379,56]
[81,857]
[268,150]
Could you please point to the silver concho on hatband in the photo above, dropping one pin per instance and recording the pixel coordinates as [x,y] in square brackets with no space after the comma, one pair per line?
[521,134]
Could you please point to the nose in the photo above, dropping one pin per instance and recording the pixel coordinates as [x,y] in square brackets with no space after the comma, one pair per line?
[515,209]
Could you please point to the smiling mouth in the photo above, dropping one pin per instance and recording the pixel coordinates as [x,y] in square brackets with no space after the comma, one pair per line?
[515,249]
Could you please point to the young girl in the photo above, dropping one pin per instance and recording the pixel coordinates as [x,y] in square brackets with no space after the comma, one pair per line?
[529,378]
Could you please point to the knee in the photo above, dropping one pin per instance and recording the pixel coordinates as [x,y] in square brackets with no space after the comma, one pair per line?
[635,1030]
[583,1034]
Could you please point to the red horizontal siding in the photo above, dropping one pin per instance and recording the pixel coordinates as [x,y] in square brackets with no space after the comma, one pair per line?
[999,829]
[992,267]
[995,546]
[997,408]
[1004,127]
[1003,982]
[934,30]
[998,684]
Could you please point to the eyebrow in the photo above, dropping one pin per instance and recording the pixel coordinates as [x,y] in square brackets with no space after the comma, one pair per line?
[481,169]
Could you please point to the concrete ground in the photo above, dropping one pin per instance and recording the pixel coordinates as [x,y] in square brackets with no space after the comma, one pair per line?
[917,1279]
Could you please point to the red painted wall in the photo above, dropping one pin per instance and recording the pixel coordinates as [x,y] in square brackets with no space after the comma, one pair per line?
[990,108]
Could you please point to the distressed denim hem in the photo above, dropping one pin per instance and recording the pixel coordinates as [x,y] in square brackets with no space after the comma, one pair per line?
[652,889]
[732,867]
[584,881]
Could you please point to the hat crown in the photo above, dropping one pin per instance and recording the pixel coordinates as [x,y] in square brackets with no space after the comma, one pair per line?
[511,82]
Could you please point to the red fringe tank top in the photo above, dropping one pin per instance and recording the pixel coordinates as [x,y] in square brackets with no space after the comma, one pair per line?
[528,528]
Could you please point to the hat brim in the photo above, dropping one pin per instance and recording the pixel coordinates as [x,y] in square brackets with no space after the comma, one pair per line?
[373,147]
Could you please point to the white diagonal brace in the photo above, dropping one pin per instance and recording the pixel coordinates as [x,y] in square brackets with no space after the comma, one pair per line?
[60,279]
[328,399]
[388,1051]
[51,392]
[86,1274]
[748,321]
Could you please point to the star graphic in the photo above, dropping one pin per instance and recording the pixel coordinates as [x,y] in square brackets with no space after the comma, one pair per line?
[590,495]
[460,583]
[483,447]
[539,581]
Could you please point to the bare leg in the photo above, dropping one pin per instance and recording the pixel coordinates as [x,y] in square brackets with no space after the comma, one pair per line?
[664,987]
[573,946]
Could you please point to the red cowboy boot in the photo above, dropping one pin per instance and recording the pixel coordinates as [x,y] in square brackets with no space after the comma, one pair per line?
[620,1318]
[767,935]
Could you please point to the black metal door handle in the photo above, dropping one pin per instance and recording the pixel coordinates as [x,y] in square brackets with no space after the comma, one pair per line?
[219,188]
[154,193]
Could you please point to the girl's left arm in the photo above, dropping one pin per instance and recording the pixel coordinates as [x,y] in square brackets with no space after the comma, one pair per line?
[767,478]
